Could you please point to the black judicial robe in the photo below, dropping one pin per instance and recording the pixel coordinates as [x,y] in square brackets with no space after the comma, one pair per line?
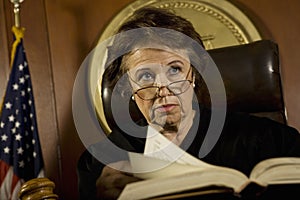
[245,140]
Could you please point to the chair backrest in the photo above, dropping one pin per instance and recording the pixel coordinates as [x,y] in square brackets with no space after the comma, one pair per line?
[251,75]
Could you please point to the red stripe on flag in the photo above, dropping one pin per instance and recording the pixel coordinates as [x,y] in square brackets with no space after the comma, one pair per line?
[3,171]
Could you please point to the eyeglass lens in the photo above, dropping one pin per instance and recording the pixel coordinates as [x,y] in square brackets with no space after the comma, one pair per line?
[151,92]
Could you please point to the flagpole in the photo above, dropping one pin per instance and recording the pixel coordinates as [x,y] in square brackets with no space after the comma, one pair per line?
[17,25]
[17,11]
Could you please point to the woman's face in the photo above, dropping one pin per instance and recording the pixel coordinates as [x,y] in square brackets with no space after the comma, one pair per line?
[155,67]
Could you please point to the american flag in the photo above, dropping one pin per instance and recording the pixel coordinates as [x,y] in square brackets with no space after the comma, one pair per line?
[20,156]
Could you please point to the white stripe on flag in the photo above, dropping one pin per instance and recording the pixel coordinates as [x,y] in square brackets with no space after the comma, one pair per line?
[6,185]
[15,194]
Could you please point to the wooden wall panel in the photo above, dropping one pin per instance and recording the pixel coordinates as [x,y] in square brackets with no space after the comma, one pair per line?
[73,28]
[4,47]
[38,53]
[281,19]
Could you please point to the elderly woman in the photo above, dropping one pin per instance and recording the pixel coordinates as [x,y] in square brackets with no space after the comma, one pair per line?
[161,72]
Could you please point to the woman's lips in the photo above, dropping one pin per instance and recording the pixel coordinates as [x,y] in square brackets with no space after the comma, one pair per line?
[166,107]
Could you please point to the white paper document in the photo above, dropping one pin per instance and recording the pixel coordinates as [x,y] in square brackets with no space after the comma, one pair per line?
[158,146]
[162,158]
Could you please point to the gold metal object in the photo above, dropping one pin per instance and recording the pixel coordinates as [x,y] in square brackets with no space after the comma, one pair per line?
[17,11]
[219,22]
[38,188]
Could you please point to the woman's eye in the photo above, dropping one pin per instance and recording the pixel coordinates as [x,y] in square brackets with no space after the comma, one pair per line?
[174,70]
[146,77]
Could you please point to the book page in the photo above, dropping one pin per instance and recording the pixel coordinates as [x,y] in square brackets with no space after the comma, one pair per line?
[163,158]
[146,167]
[277,171]
[184,181]
[167,168]
[158,146]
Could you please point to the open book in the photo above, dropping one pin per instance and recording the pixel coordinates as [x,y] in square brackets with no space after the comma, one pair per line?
[169,170]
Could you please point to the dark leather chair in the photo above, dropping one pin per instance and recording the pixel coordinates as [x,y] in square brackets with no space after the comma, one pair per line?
[251,74]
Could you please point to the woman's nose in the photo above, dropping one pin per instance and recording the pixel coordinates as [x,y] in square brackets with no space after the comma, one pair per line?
[164,91]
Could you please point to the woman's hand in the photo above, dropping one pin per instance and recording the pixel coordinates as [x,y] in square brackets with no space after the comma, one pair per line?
[111,182]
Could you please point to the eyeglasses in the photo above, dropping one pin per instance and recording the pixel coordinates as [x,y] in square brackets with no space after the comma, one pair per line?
[152,91]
